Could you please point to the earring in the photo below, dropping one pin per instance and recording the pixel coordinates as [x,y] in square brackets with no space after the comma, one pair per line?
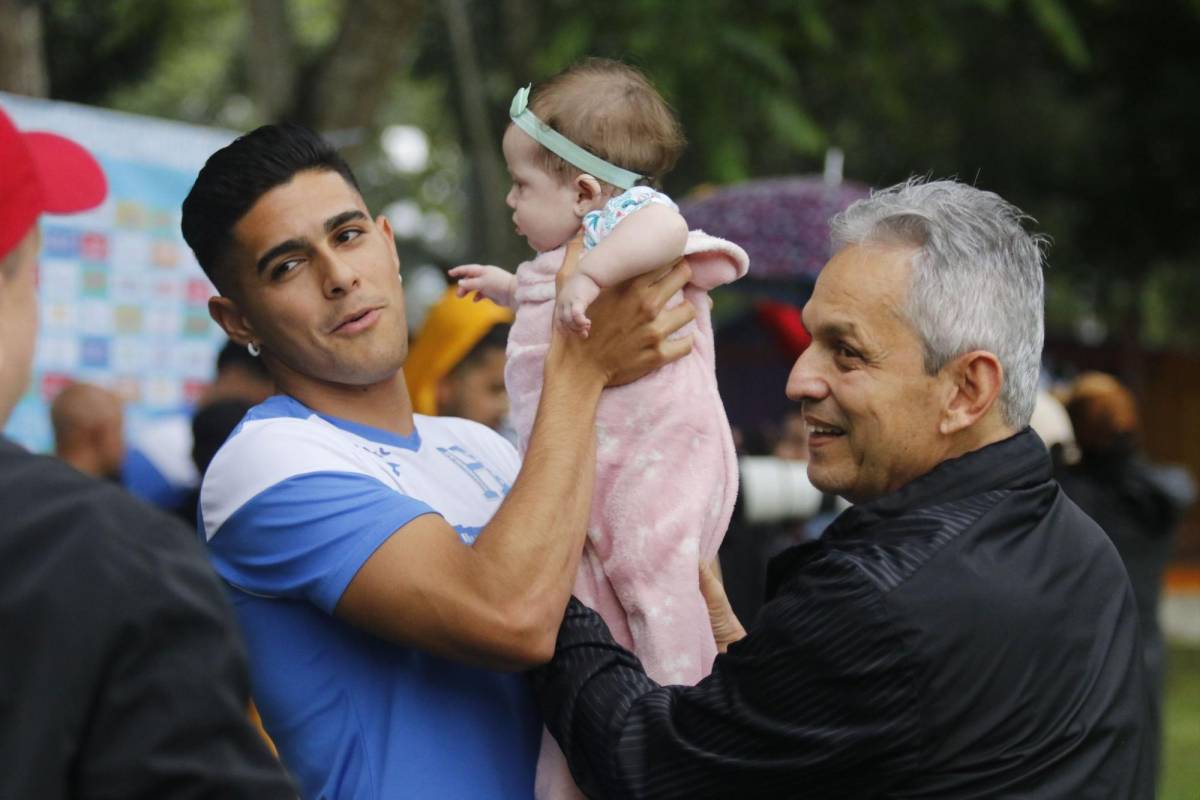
[254,349]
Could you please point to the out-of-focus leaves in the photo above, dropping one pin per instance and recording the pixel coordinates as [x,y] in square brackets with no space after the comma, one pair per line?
[789,122]
[99,45]
[1056,22]
[815,26]
[568,43]
[1083,113]
[757,52]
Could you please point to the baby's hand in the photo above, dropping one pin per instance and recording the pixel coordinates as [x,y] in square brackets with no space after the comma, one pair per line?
[497,285]
[573,300]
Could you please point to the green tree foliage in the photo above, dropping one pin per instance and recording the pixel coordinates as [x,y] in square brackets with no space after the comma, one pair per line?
[1084,113]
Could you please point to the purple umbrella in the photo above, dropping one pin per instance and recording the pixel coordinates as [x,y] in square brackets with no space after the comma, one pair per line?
[782,222]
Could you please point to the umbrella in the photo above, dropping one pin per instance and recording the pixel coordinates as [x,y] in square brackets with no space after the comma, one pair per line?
[783,223]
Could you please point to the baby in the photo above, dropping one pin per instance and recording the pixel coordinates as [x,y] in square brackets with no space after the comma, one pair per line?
[583,150]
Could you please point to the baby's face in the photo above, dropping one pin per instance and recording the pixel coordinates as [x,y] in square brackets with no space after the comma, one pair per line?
[543,206]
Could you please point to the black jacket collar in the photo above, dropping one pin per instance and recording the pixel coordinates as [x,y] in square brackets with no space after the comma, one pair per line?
[1018,461]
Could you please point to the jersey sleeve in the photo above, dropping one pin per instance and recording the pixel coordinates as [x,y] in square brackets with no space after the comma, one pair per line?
[311,526]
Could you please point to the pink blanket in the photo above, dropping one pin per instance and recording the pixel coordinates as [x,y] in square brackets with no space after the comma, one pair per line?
[666,481]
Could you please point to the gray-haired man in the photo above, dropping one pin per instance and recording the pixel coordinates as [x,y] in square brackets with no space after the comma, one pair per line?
[964,631]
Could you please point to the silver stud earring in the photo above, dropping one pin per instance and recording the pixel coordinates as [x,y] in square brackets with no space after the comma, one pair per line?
[254,349]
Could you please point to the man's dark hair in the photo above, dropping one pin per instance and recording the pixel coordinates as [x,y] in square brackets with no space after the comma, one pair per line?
[211,427]
[236,176]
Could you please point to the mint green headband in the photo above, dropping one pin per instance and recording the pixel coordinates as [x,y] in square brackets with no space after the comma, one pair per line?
[564,148]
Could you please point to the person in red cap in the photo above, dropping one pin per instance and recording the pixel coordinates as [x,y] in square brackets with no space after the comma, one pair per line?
[122,675]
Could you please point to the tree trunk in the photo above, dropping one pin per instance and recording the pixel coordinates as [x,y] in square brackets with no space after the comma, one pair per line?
[491,226]
[271,68]
[350,81]
[22,60]
[521,32]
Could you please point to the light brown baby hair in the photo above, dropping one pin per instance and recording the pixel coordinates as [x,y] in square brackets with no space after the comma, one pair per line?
[611,110]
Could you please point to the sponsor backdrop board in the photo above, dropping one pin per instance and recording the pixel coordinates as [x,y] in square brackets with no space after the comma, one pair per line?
[122,301]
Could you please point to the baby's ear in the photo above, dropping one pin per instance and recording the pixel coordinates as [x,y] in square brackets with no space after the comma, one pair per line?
[587,192]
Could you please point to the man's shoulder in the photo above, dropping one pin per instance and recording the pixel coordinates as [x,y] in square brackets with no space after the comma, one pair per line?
[819,596]
[890,550]
[277,440]
[276,445]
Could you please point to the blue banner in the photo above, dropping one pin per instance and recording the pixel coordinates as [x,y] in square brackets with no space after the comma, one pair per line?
[123,303]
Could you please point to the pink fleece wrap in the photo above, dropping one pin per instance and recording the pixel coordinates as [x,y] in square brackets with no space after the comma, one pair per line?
[666,481]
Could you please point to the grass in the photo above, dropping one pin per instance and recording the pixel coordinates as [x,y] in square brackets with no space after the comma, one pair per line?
[1181,737]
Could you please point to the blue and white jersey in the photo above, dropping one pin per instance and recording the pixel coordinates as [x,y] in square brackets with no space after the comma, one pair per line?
[292,506]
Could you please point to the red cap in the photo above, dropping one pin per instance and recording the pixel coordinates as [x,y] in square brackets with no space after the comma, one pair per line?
[42,172]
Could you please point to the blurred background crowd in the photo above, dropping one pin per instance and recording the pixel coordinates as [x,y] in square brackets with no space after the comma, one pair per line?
[1083,113]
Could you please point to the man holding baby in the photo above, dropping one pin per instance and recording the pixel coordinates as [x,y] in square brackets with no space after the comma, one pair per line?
[964,631]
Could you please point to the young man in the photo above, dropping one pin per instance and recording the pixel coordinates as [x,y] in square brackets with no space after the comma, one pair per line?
[122,675]
[383,564]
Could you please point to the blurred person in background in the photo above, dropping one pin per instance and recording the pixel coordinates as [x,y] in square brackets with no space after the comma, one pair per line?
[211,426]
[89,429]
[455,367]
[963,630]
[1138,505]
[238,376]
[777,508]
[158,467]
[1052,424]
[122,673]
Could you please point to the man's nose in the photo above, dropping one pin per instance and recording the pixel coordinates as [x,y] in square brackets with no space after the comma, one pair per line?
[339,275]
[805,381]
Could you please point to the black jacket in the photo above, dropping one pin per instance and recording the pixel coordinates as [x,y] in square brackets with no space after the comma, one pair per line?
[972,635]
[1138,505]
[121,674]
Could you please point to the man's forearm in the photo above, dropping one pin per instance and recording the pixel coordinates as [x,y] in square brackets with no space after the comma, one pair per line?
[531,547]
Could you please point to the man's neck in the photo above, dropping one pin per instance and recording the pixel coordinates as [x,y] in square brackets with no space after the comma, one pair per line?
[384,405]
[985,432]
[82,459]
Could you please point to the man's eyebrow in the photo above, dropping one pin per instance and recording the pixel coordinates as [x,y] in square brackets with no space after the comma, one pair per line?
[291,245]
[331,224]
[341,219]
[834,328]
[840,329]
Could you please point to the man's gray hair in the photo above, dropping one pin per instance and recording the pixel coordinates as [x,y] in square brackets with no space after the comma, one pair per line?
[976,277]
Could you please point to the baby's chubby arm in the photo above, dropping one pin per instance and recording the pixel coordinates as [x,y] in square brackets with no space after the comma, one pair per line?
[649,238]
[497,285]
